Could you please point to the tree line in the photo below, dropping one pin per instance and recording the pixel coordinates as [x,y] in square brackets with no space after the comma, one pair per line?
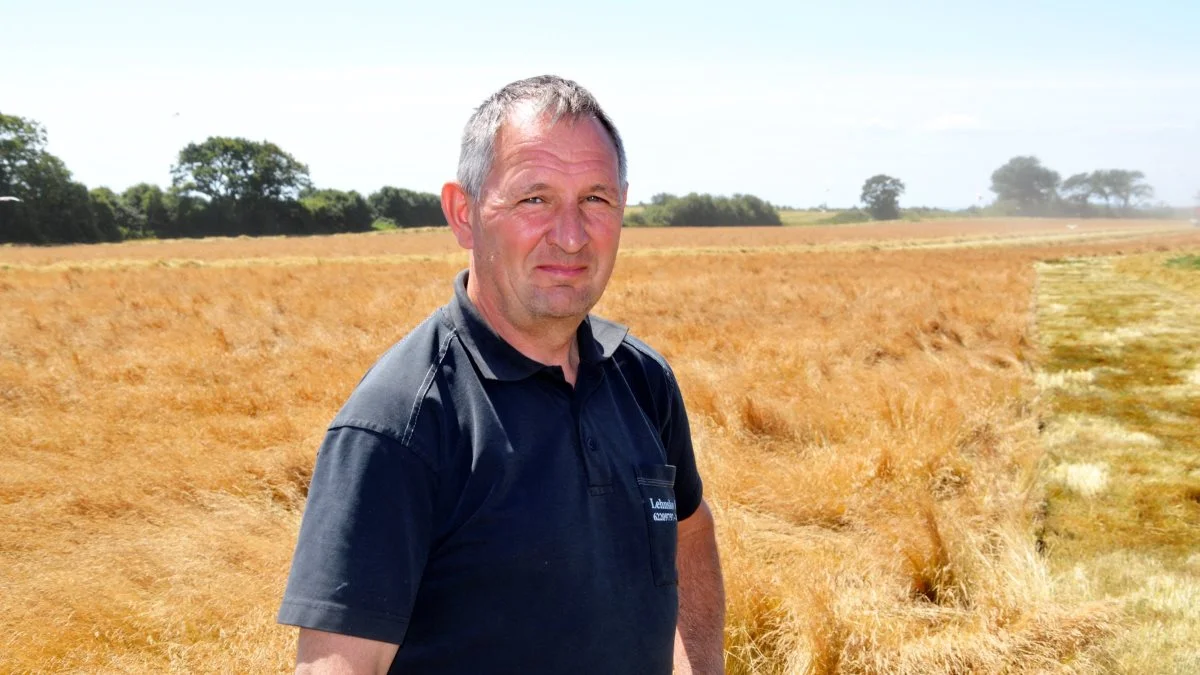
[703,210]
[222,186]
[1024,186]
[234,186]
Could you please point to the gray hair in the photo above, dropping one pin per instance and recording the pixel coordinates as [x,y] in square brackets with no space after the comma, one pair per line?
[549,94]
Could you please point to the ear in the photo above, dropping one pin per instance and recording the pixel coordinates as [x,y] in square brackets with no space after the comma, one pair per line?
[457,208]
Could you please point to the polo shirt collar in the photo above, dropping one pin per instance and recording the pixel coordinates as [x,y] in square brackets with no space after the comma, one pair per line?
[498,360]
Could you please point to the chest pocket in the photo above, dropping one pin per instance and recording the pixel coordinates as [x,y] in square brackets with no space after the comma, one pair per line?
[656,482]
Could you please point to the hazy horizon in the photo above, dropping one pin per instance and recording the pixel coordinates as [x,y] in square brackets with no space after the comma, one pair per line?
[798,107]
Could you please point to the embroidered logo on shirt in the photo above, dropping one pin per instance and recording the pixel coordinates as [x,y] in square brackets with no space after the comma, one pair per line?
[663,510]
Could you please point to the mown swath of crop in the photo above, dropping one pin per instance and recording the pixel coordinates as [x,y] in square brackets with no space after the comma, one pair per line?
[1122,384]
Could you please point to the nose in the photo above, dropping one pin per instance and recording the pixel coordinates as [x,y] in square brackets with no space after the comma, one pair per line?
[569,232]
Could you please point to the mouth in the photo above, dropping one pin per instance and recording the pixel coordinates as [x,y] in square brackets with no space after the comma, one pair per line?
[562,271]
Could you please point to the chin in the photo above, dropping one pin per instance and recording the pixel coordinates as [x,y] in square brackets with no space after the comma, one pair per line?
[566,312]
[561,307]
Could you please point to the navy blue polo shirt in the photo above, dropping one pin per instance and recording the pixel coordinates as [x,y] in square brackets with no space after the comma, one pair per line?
[471,506]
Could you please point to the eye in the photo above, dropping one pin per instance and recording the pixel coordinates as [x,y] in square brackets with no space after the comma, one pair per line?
[597,199]
[533,200]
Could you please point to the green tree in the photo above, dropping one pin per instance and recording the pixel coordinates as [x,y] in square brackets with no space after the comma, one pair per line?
[22,143]
[881,193]
[106,213]
[1077,191]
[1028,184]
[54,208]
[752,210]
[191,215]
[246,187]
[337,211]
[1121,187]
[240,170]
[704,210]
[407,208]
[145,209]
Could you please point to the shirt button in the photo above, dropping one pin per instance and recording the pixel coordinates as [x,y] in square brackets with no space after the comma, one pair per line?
[591,445]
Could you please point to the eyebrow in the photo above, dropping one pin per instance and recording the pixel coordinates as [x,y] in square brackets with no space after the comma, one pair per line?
[535,187]
[603,188]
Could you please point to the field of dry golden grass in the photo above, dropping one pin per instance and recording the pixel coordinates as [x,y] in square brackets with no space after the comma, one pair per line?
[865,415]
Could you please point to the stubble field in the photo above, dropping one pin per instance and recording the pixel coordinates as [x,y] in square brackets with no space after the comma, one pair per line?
[865,403]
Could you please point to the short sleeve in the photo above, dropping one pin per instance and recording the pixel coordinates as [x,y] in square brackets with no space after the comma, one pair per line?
[364,538]
[676,436]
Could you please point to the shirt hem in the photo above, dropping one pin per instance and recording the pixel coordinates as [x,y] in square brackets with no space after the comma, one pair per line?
[334,618]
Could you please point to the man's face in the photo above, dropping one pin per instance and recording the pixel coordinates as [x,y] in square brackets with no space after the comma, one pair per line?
[545,232]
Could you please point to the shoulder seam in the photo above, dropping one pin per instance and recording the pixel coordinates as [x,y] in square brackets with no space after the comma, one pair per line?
[649,352]
[385,431]
[425,384]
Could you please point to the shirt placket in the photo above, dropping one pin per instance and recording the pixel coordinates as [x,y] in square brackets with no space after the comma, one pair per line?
[596,463]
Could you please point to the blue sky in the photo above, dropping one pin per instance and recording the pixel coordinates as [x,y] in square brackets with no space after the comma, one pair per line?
[796,104]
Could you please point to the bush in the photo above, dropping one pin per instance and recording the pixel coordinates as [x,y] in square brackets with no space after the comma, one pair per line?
[336,211]
[916,213]
[406,208]
[635,220]
[705,210]
[106,213]
[143,212]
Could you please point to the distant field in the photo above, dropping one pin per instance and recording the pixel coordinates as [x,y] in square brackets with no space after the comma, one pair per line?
[428,243]
[804,217]
[865,400]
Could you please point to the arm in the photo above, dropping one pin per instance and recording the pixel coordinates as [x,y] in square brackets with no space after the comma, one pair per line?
[321,653]
[361,552]
[699,639]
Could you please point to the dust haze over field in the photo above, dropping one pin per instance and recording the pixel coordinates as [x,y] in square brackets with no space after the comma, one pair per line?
[865,402]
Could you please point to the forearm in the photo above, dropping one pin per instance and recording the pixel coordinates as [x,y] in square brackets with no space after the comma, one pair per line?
[699,639]
[321,653]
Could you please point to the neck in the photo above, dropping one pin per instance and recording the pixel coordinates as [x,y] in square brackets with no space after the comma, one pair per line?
[548,341]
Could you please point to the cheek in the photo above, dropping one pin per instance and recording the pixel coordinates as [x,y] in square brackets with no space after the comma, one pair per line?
[606,236]
[520,237]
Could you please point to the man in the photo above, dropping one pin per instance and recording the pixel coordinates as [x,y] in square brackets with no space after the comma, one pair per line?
[500,494]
